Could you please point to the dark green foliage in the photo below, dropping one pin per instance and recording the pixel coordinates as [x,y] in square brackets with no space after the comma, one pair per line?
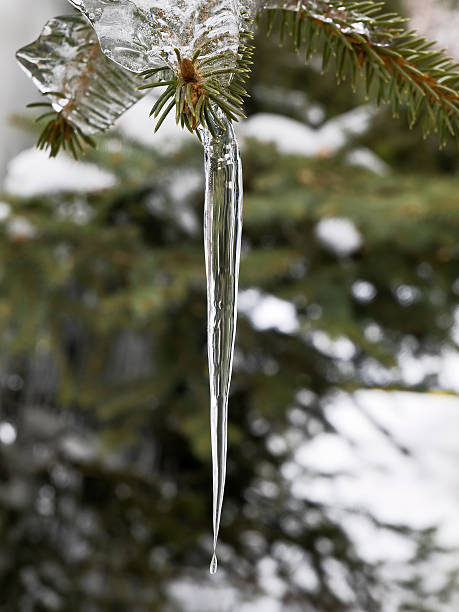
[113,454]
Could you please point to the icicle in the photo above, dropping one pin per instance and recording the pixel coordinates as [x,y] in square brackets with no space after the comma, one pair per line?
[222,241]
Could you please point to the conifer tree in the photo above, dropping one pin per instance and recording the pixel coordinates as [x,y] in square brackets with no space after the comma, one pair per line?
[112,525]
[105,494]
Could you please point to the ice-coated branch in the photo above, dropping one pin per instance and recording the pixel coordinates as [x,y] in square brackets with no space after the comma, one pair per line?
[399,67]
[202,90]
[200,50]
[86,91]
[142,35]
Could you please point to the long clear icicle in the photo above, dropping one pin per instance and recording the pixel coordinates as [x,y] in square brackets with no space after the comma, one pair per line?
[222,241]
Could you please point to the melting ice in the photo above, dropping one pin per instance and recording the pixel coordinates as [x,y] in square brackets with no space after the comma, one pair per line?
[222,242]
[142,34]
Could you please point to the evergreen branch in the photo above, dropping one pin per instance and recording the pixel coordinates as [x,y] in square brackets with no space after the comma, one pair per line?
[92,91]
[399,67]
[59,133]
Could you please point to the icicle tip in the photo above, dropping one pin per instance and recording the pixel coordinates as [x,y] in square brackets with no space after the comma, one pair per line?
[213,564]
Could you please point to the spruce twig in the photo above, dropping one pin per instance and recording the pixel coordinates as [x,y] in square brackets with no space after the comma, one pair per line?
[398,66]
[201,85]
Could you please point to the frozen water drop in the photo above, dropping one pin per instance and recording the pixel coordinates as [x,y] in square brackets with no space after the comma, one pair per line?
[213,564]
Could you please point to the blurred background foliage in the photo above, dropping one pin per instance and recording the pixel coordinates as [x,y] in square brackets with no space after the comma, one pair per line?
[105,487]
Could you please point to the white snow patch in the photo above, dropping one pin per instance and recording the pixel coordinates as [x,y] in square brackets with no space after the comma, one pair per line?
[339,235]
[137,125]
[78,448]
[420,490]
[363,291]
[5,210]
[33,172]
[327,454]
[365,158]
[20,228]
[338,348]
[449,376]
[377,545]
[262,603]
[208,597]
[266,311]
[292,136]
[8,433]
[437,21]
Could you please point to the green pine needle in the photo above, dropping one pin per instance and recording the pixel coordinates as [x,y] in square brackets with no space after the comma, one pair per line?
[59,134]
[398,66]
[200,88]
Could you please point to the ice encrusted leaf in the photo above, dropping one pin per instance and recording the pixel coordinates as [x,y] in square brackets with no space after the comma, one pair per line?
[142,34]
[67,64]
